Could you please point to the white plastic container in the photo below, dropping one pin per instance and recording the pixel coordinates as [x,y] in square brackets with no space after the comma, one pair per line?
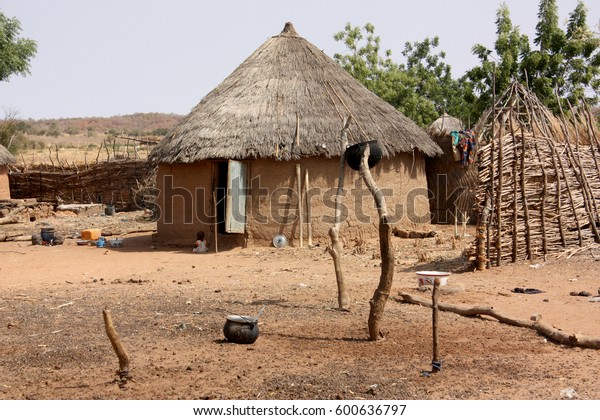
[426,278]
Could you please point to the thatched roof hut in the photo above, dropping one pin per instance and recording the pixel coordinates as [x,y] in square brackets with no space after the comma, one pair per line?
[288,87]
[443,126]
[286,103]
[452,186]
[540,175]
[6,158]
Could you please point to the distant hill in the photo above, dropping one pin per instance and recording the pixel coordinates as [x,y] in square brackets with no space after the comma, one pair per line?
[138,124]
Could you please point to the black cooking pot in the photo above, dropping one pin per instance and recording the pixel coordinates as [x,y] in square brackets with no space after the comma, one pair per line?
[241,329]
[47,234]
[355,152]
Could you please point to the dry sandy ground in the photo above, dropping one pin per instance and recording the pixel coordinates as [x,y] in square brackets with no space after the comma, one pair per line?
[169,307]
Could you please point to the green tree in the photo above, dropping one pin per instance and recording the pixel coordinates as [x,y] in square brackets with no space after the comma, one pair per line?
[434,86]
[421,88]
[582,59]
[544,67]
[566,63]
[509,48]
[563,62]
[53,130]
[15,52]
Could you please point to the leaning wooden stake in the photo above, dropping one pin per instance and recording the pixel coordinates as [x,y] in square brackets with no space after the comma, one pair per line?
[334,232]
[300,213]
[116,343]
[382,293]
[216,221]
[436,362]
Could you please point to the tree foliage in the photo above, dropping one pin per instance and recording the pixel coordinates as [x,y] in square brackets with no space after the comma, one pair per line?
[563,63]
[421,88]
[499,66]
[15,52]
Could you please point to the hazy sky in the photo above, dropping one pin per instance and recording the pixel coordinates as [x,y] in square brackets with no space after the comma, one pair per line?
[118,57]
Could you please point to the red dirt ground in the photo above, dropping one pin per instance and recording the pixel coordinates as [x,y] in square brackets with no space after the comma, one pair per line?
[169,307]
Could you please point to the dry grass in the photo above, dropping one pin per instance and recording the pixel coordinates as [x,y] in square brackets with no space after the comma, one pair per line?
[78,149]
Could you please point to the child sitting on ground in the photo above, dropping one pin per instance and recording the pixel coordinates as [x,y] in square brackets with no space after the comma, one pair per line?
[200,246]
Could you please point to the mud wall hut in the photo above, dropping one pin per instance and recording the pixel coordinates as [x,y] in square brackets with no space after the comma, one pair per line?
[539,178]
[452,186]
[231,166]
[6,158]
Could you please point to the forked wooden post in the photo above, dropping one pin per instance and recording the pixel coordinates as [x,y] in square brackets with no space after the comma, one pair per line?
[382,293]
[335,250]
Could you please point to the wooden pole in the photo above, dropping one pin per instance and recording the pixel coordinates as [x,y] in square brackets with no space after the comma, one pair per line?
[482,227]
[308,209]
[558,194]
[435,362]
[543,199]
[335,250]
[498,200]
[216,221]
[455,222]
[297,130]
[492,173]
[515,185]
[300,212]
[382,293]
[116,343]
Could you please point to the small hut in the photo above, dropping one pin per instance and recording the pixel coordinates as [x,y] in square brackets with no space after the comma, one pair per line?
[6,158]
[238,163]
[451,185]
[539,179]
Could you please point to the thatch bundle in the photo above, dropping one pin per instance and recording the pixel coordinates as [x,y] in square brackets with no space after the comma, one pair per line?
[452,187]
[541,176]
[6,158]
[287,101]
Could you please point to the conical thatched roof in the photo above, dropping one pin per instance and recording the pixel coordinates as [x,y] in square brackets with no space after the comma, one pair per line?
[287,100]
[444,125]
[5,156]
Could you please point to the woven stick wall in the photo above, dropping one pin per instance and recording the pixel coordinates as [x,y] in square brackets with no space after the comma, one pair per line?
[114,182]
[542,176]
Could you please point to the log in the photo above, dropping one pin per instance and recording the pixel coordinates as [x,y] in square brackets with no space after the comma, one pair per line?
[20,238]
[8,220]
[548,331]
[12,217]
